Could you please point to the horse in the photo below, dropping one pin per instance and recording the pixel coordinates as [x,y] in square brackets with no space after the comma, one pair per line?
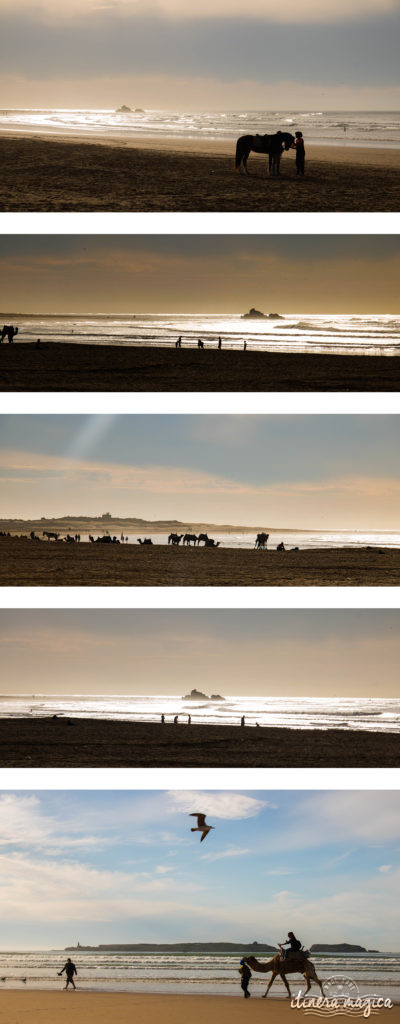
[271,144]
[8,332]
[261,541]
[49,534]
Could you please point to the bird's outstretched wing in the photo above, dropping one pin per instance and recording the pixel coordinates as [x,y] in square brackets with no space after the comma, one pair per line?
[201,818]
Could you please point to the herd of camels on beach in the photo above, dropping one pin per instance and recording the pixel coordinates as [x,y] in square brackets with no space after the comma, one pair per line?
[174,539]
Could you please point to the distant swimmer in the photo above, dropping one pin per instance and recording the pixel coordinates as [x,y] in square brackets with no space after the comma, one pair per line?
[70,970]
[201,825]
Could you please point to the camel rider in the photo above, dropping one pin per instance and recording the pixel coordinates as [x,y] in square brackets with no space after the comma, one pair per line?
[295,946]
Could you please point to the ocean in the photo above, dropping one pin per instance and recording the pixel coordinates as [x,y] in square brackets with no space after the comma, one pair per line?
[363,714]
[296,332]
[188,973]
[304,539]
[360,128]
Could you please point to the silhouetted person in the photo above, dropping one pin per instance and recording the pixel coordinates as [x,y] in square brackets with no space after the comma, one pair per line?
[178,344]
[300,153]
[162,719]
[245,975]
[200,343]
[70,970]
[219,342]
[244,345]
[176,720]
[189,719]
[242,720]
[292,942]
[38,343]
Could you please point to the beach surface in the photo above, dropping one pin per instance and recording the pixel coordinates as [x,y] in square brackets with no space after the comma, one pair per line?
[108,1007]
[81,367]
[92,743]
[47,563]
[55,174]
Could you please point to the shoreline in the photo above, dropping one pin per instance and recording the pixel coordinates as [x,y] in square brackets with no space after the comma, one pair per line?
[69,366]
[47,173]
[28,563]
[84,742]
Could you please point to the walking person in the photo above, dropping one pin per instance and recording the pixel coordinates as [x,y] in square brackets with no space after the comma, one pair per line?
[178,344]
[245,975]
[219,343]
[300,153]
[70,970]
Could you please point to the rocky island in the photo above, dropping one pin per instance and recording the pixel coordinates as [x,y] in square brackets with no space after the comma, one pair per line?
[255,314]
[198,695]
[340,947]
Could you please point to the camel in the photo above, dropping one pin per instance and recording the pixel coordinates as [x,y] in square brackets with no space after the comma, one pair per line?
[8,332]
[202,538]
[147,540]
[280,968]
[49,534]
[175,538]
[211,543]
[261,541]
[190,538]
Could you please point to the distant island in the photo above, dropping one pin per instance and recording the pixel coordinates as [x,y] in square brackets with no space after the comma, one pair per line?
[255,314]
[340,947]
[198,695]
[176,947]
[124,110]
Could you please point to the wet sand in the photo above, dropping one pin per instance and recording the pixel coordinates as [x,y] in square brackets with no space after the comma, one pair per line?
[53,174]
[72,367]
[91,743]
[108,1007]
[47,563]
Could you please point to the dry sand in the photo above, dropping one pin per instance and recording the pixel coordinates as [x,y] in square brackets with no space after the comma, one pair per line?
[109,1007]
[47,563]
[72,367]
[90,743]
[47,174]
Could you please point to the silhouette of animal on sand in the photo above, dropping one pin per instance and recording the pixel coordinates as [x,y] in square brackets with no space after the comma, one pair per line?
[261,541]
[280,968]
[273,145]
[8,332]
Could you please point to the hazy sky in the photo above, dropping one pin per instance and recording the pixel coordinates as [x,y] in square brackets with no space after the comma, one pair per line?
[104,867]
[339,54]
[280,653]
[128,274]
[317,472]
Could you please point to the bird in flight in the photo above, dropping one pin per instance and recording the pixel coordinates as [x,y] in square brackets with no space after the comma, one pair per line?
[201,825]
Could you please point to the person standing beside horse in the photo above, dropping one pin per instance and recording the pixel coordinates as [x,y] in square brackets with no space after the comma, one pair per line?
[300,153]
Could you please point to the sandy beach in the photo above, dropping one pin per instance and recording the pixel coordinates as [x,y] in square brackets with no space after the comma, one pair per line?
[90,743]
[73,367]
[105,1008]
[40,173]
[45,563]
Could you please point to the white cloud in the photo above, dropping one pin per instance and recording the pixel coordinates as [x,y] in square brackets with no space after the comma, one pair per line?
[222,854]
[230,806]
[384,868]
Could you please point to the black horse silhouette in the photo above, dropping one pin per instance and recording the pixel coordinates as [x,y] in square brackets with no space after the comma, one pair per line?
[8,332]
[271,144]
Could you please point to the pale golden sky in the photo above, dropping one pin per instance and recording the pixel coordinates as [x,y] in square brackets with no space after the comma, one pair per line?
[210,274]
[316,653]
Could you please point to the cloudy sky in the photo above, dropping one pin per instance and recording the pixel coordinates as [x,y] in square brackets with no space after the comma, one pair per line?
[331,653]
[124,866]
[209,274]
[304,472]
[339,54]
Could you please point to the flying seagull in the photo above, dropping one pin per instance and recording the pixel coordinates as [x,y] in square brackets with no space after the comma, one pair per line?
[201,825]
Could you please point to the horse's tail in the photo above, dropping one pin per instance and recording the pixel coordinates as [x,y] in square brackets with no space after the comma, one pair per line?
[242,150]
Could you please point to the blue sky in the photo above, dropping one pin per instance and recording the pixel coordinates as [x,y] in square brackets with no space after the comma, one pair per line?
[330,653]
[124,866]
[337,55]
[327,472]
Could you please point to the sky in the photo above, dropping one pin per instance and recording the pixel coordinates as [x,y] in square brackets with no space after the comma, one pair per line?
[297,472]
[221,54]
[329,653]
[79,274]
[118,866]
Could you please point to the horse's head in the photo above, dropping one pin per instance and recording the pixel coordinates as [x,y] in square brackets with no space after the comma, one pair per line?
[287,140]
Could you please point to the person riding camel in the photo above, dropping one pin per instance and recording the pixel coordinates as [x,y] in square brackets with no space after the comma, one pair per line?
[295,946]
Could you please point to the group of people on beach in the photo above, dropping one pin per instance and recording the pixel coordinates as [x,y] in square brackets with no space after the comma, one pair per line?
[200,343]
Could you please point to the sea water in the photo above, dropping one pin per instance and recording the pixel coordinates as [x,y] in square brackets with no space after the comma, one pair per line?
[360,128]
[363,714]
[188,973]
[369,334]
